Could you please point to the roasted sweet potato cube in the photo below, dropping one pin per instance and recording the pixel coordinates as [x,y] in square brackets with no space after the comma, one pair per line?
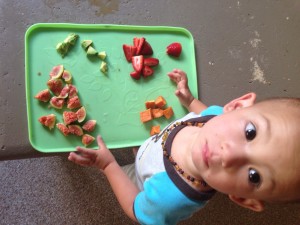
[168,112]
[154,130]
[150,104]
[160,102]
[156,113]
[146,115]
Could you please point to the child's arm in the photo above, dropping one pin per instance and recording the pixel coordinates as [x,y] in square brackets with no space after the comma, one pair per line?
[122,186]
[183,92]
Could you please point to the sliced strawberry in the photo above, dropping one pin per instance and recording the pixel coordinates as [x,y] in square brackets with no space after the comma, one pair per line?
[135,75]
[136,41]
[151,62]
[174,49]
[141,42]
[129,51]
[146,49]
[147,71]
[138,63]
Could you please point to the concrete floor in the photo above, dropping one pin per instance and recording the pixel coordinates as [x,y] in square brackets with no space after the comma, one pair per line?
[240,46]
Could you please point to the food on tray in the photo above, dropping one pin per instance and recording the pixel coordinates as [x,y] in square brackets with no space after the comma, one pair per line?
[63,129]
[86,43]
[55,86]
[89,125]
[174,49]
[146,115]
[81,114]
[69,117]
[48,120]
[73,102]
[56,102]
[43,95]
[102,55]
[91,51]
[137,55]
[56,72]
[157,112]
[75,129]
[103,67]
[150,104]
[160,102]
[155,130]
[168,112]
[64,47]
[87,139]
[67,76]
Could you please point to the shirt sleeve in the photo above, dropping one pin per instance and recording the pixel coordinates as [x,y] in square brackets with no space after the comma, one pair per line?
[161,202]
[212,110]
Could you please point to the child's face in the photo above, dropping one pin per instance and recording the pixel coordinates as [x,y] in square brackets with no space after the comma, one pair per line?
[250,153]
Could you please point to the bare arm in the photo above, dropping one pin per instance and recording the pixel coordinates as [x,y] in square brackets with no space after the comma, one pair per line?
[183,92]
[105,161]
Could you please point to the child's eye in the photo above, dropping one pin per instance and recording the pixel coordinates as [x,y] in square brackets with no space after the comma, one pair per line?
[250,131]
[254,177]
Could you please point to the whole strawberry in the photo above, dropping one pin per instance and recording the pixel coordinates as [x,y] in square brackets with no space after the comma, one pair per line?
[174,49]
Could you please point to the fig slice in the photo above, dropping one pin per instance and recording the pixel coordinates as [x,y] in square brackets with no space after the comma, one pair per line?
[75,129]
[69,117]
[74,102]
[81,114]
[67,76]
[89,125]
[64,92]
[73,91]
[56,72]
[56,102]
[87,139]
[55,85]
[48,120]
[63,129]
[43,96]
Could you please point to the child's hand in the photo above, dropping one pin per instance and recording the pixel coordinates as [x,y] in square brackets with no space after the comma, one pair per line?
[100,158]
[183,91]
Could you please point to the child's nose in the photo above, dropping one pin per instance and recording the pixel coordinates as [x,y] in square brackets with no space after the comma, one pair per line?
[232,155]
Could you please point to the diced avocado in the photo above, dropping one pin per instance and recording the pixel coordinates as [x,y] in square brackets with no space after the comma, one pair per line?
[91,51]
[102,55]
[71,39]
[62,48]
[103,67]
[86,43]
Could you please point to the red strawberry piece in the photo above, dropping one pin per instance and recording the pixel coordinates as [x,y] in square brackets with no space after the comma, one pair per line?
[146,49]
[138,63]
[129,51]
[174,49]
[141,42]
[136,41]
[151,62]
[135,75]
[147,71]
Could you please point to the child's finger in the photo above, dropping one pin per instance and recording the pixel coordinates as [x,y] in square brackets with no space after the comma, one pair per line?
[79,159]
[100,142]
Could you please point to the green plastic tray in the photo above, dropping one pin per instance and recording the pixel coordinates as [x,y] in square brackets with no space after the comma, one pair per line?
[114,100]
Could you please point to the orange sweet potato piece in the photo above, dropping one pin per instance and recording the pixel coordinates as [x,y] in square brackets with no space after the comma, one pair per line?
[146,115]
[168,112]
[156,113]
[150,104]
[155,130]
[160,102]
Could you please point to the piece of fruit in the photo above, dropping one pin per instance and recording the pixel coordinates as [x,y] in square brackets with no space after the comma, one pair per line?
[89,125]
[146,115]
[168,112]
[103,67]
[62,48]
[174,49]
[48,120]
[81,114]
[146,49]
[151,61]
[135,75]
[86,43]
[157,112]
[71,39]
[69,117]
[138,63]
[75,129]
[147,71]
[160,102]
[56,102]
[67,76]
[72,90]
[73,102]
[139,42]
[129,52]
[150,104]
[63,128]
[102,55]
[91,51]
[56,72]
[87,139]
[155,130]
[43,96]
[64,92]
[55,85]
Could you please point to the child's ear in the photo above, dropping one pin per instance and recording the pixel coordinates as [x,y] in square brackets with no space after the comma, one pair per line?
[253,204]
[241,102]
